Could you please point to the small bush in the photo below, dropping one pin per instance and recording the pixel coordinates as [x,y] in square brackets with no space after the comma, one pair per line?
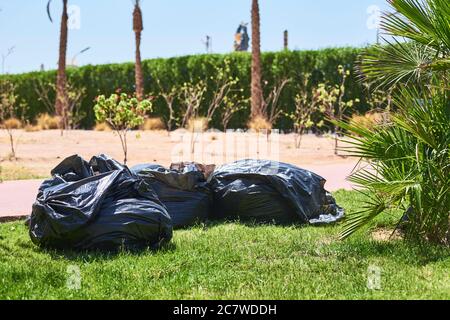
[12,123]
[153,124]
[48,122]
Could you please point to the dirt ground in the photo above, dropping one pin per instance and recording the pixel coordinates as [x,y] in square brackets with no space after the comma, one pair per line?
[39,152]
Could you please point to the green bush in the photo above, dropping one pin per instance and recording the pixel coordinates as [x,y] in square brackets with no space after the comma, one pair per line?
[106,79]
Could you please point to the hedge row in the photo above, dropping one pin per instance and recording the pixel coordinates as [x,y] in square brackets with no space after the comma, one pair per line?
[105,79]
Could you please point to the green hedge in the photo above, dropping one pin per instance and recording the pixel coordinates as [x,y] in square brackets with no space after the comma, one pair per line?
[105,79]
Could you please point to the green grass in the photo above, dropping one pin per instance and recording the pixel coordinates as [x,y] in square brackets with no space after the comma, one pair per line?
[232,261]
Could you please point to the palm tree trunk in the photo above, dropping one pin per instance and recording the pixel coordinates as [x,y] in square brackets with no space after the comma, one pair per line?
[61,80]
[138,27]
[256,87]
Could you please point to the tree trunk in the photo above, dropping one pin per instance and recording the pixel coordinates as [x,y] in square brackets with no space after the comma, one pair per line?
[256,87]
[138,27]
[61,80]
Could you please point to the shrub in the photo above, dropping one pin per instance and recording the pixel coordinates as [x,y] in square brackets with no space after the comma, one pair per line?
[410,156]
[174,72]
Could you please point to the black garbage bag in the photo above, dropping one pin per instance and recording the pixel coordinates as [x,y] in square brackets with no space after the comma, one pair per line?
[272,191]
[183,191]
[98,205]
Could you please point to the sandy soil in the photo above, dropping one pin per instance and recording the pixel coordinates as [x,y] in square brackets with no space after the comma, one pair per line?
[40,151]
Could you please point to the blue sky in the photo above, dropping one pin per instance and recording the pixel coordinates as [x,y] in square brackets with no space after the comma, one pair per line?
[174,27]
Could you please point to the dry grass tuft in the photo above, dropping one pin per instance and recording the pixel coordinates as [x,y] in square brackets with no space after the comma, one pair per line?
[48,122]
[31,128]
[370,120]
[259,124]
[197,124]
[12,123]
[153,124]
[102,127]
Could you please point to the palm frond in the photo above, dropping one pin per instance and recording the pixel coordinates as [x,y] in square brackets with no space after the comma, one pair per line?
[373,206]
[48,11]
[394,62]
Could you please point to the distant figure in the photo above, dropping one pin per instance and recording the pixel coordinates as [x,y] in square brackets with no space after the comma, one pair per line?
[208,44]
[241,39]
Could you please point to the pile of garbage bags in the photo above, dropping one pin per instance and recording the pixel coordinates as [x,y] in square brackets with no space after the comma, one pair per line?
[98,205]
[104,205]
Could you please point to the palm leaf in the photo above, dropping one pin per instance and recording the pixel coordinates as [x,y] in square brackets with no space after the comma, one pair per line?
[48,10]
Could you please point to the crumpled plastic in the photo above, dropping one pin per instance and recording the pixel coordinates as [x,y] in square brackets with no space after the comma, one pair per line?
[98,205]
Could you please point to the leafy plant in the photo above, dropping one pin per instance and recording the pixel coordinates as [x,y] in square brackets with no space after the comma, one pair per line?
[409,157]
[122,113]
[191,98]
[224,84]
[425,24]
[232,104]
[409,166]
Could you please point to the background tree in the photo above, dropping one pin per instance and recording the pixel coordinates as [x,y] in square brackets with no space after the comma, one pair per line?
[335,106]
[223,84]
[72,116]
[170,96]
[138,27]
[9,109]
[256,86]
[61,101]
[306,108]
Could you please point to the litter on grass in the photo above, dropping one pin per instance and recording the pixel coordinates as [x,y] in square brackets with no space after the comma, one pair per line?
[101,204]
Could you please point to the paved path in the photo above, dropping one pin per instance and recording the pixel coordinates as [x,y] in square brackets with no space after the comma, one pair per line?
[17,197]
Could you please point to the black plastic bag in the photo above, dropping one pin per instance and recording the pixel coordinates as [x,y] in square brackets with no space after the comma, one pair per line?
[184,191]
[98,205]
[272,191]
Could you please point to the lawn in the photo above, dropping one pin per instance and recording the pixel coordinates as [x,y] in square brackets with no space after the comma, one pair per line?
[232,261]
